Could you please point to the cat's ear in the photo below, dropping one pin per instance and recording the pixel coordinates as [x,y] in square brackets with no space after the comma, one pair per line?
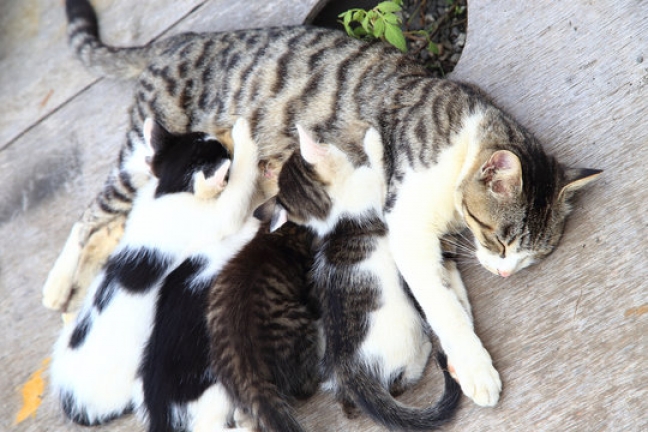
[502,173]
[576,178]
[311,151]
[273,212]
[209,187]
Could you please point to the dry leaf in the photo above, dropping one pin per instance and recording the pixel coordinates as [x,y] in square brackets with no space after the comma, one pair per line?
[32,394]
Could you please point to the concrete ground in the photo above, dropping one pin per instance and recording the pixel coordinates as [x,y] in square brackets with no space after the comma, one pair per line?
[569,336]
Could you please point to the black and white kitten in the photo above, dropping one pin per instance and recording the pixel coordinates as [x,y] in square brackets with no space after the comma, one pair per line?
[243,335]
[377,342]
[184,205]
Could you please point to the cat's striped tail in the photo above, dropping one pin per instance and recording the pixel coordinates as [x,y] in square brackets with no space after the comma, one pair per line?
[375,401]
[100,59]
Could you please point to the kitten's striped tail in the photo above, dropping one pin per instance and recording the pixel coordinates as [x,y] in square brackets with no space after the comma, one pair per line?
[273,411]
[376,401]
[100,59]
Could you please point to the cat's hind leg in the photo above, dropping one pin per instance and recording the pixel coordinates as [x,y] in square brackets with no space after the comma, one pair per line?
[100,228]
[90,243]
[59,287]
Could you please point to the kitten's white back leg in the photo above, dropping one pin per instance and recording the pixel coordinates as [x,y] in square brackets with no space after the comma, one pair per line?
[210,413]
[98,374]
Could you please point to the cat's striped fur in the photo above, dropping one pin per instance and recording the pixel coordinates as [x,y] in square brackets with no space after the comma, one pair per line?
[452,158]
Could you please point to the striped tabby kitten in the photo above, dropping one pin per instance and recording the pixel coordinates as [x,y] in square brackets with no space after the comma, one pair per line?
[376,339]
[97,362]
[264,336]
[453,159]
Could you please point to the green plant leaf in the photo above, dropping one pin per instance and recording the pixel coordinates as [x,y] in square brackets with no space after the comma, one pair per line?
[346,18]
[388,7]
[392,19]
[365,22]
[433,48]
[379,28]
[394,36]
[359,32]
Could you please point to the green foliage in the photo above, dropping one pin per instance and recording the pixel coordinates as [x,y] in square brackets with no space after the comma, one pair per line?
[381,22]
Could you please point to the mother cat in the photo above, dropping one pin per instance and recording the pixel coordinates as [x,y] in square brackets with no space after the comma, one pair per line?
[453,159]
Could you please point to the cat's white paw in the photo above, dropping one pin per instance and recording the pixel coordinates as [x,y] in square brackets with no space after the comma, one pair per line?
[477,377]
[58,286]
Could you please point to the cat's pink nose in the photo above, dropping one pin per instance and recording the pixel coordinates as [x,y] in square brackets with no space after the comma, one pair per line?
[504,273]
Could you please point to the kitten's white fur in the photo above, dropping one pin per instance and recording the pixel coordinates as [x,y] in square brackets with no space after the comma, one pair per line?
[102,372]
[396,340]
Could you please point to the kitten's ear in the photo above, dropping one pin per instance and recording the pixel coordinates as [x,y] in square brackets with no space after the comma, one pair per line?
[155,135]
[273,212]
[209,187]
[311,151]
[373,147]
[502,173]
[576,178]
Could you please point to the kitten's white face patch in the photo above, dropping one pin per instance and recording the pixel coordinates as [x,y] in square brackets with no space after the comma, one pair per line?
[505,267]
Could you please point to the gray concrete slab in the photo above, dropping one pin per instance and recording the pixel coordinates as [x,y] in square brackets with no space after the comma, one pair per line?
[568,336]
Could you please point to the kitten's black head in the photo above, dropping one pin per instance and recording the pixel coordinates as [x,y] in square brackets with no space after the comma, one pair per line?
[302,192]
[178,157]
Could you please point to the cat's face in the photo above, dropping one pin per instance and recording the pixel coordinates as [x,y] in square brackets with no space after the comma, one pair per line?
[517,217]
[192,162]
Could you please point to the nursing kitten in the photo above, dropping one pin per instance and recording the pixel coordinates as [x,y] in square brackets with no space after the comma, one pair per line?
[453,159]
[96,360]
[263,325]
[376,339]
[241,335]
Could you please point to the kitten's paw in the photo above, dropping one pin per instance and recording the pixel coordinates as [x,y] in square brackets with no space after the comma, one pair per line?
[478,378]
[58,287]
[245,149]
[242,135]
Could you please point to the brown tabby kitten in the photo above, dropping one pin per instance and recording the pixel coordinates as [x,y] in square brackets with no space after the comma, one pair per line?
[453,159]
[262,319]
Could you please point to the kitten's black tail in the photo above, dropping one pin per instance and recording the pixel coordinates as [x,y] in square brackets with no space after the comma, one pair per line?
[376,401]
[102,60]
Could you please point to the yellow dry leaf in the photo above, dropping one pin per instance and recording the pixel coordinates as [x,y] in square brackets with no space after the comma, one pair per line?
[32,394]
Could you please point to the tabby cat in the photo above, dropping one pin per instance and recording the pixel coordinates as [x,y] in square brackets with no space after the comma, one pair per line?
[376,339]
[96,368]
[453,159]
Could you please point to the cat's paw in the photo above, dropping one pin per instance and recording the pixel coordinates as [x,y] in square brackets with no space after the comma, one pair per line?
[58,287]
[477,377]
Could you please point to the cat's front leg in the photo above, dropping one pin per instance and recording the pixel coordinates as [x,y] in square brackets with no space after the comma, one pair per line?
[417,252]
[453,279]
